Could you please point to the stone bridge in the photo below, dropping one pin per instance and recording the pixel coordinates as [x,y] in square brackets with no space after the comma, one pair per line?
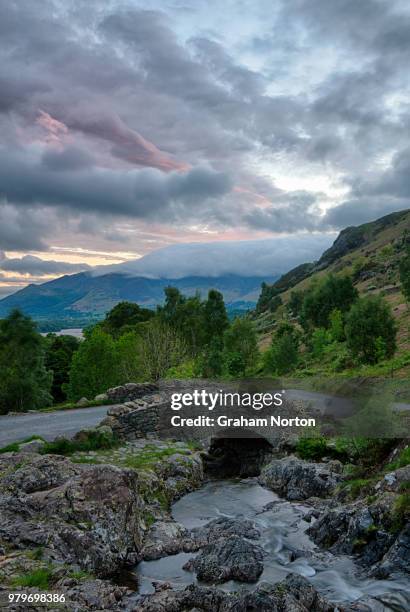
[146,412]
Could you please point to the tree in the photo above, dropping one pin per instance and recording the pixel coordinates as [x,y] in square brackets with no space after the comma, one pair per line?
[241,347]
[295,302]
[215,318]
[94,367]
[24,380]
[58,357]
[131,368]
[161,348]
[371,330]
[336,325]
[124,315]
[213,358]
[186,316]
[282,357]
[332,292]
[405,276]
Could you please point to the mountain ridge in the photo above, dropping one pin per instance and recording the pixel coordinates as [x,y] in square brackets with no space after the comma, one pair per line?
[83,295]
[370,253]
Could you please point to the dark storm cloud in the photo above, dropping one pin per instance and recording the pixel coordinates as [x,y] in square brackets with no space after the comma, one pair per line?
[22,229]
[32,265]
[144,193]
[70,158]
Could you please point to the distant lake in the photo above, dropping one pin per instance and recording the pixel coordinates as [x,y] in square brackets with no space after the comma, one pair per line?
[74,331]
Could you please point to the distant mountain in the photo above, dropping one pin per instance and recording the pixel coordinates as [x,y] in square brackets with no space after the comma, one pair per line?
[84,296]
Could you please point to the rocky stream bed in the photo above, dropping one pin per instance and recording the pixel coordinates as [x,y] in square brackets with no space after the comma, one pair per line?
[147,526]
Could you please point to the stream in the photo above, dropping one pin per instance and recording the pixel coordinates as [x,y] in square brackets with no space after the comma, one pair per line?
[282,528]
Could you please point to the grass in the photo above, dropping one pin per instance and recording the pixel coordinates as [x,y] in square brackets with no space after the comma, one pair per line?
[15,446]
[74,406]
[402,460]
[358,486]
[150,455]
[80,575]
[39,578]
[92,440]
[401,511]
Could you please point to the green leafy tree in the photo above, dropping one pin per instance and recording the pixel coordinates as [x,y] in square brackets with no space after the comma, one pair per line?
[336,325]
[24,380]
[94,367]
[405,276]
[215,317]
[241,347]
[371,330]
[130,365]
[161,348]
[58,357]
[213,358]
[332,292]
[295,302]
[125,315]
[186,316]
[170,312]
[319,340]
[283,356]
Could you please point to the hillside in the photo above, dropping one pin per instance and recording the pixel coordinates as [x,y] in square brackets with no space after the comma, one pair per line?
[370,253]
[79,297]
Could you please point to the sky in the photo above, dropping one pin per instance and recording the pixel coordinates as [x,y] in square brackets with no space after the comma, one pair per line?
[128,126]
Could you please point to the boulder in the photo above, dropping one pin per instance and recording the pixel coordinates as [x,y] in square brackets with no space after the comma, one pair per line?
[83,402]
[82,514]
[296,479]
[223,528]
[101,397]
[232,558]
[164,538]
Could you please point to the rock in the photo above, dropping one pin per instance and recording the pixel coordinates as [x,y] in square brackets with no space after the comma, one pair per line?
[366,531]
[87,515]
[93,594]
[28,474]
[164,538]
[101,397]
[294,594]
[232,558]
[297,479]
[222,528]
[392,481]
[34,446]
[397,557]
[83,402]
[105,430]
[131,391]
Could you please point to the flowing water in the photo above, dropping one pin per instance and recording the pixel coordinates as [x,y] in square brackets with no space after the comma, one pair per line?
[282,536]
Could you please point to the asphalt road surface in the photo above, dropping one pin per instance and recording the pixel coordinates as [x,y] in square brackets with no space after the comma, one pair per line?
[49,425]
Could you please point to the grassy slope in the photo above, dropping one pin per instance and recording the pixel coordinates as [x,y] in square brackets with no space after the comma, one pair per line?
[383,278]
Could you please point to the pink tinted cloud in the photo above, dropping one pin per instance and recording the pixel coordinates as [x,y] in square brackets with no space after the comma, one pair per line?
[55,130]
[127,144]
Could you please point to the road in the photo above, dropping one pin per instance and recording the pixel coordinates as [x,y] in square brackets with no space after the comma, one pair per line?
[49,424]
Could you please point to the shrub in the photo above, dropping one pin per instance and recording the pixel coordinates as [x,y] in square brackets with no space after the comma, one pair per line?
[331,293]
[311,448]
[85,441]
[283,356]
[371,330]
